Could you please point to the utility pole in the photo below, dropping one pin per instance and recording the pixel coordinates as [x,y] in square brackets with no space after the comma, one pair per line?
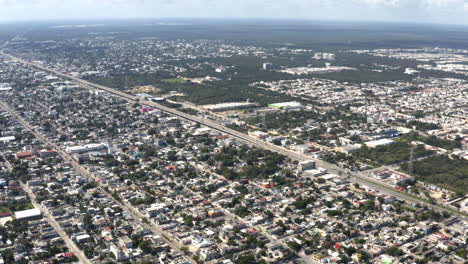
[411,160]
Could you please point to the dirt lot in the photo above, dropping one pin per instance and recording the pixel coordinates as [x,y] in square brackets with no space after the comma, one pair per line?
[145,89]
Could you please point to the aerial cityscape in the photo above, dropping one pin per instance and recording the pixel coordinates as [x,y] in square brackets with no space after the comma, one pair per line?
[233,141]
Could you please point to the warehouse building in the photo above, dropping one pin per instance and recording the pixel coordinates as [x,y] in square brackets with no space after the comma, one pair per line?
[86,148]
[28,215]
[229,106]
[287,105]
[380,142]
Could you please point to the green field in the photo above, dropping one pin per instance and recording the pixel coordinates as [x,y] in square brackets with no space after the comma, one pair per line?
[390,154]
[4,209]
[442,171]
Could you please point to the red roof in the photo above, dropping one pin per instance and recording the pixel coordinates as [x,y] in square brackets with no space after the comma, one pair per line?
[5,214]
[442,235]
[48,151]
[69,254]
[25,154]
[252,231]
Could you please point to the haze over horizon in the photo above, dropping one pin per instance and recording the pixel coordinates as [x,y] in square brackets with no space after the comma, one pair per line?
[422,11]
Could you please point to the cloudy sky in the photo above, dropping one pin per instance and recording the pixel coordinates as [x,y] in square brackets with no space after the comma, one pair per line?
[432,11]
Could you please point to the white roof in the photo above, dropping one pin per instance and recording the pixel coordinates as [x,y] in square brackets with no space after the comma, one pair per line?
[27,213]
[84,236]
[383,141]
[85,147]
[288,104]
[329,176]
[10,138]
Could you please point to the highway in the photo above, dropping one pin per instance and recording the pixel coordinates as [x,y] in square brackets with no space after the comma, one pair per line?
[360,178]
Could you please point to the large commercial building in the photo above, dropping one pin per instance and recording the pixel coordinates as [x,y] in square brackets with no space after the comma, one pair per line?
[28,215]
[287,105]
[380,142]
[267,66]
[86,148]
[7,139]
[229,106]
[5,87]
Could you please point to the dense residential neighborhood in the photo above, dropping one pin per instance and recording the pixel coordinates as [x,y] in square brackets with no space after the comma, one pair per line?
[91,176]
[233,143]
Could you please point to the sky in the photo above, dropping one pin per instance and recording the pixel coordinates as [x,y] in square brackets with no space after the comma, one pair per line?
[421,11]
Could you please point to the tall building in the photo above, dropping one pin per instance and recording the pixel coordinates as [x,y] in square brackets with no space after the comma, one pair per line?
[267,66]
[110,148]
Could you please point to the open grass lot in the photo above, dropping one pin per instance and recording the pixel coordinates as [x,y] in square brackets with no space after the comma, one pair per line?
[174,80]
[13,207]
[440,170]
[390,154]
[4,209]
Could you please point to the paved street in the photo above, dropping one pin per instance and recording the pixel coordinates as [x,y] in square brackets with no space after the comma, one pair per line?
[356,177]
[51,220]
[136,215]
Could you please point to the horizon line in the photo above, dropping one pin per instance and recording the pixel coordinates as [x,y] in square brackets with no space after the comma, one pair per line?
[270,19]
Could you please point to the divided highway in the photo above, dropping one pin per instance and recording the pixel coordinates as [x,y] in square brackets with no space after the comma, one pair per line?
[357,177]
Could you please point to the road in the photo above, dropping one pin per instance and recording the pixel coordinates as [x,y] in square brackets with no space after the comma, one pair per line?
[273,241]
[136,215]
[51,220]
[357,177]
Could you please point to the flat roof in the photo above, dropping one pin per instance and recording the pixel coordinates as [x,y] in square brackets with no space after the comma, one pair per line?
[287,104]
[27,213]
[227,105]
[10,138]
[84,236]
[381,141]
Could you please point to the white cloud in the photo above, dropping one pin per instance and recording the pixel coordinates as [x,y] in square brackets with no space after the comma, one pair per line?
[384,3]
[444,3]
[444,11]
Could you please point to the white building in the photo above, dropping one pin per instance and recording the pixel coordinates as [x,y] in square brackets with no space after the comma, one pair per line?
[7,139]
[306,165]
[267,66]
[86,148]
[83,238]
[380,142]
[27,215]
[118,253]
[287,105]
[229,106]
